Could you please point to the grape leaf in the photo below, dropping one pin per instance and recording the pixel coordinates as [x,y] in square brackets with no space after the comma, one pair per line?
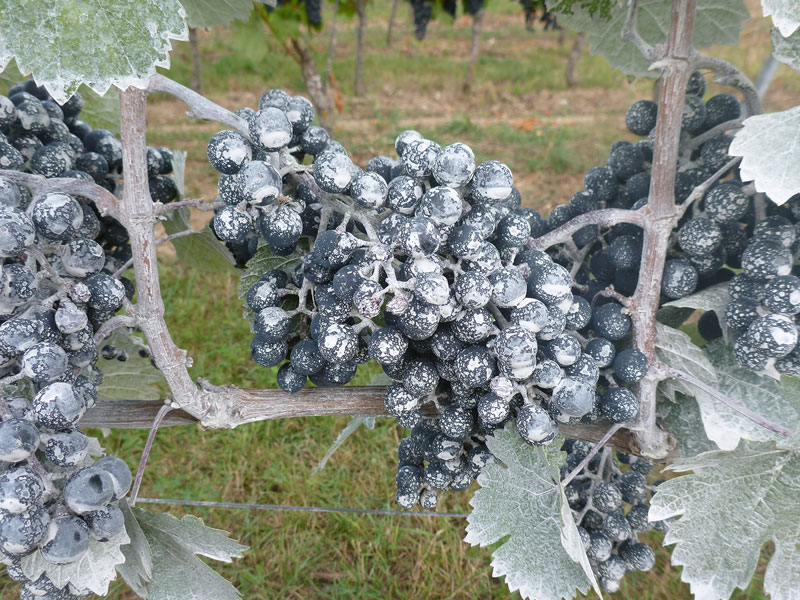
[770,151]
[261,262]
[65,43]
[684,421]
[787,49]
[137,570]
[790,388]
[729,508]
[759,393]
[785,15]
[717,22]
[201,250]
[134,379]
[714,298]
[723,425]
[675,349]
[177,573]
[94,571]
[522,502]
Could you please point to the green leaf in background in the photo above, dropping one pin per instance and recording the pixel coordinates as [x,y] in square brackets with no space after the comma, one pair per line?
[732,505]
[201,250]
[137,570]
[205,14]
[93,571]
[717,22]
[785,15]
[261,262]
[177,572]
[770,153]
[133,379]
[521,500]
[97,44]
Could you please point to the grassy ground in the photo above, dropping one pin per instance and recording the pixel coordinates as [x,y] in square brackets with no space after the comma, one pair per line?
[520,111]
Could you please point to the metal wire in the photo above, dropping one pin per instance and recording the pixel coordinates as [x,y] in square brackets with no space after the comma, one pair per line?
[321,509]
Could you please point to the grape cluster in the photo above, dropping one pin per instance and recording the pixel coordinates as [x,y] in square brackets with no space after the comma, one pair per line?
[419,264]
[58,289]
[314,12]
[421,12]
[610,502]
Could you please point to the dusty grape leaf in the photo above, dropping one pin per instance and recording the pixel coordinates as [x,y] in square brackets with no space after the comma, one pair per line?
[785,15]
[261,262]
[675,349]
[177,572]
[137,570]
[94,571]
[786,49]
[717,22]
[65,43]
[714,298]
[731,505]
[683,420]
[134,379]
[521,501]
[770,151]
[201,250]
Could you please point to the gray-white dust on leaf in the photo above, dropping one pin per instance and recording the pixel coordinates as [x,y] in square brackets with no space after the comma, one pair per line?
[205,14]
[770,151]
[731,505]
[521,501]
[790,388]
[785,15]
[89,41]
[133,379]
[717,22]
[760,393]
[714,298]
[93,571]
[675,349]
[786,49]
[683,420]
[137,570]
[177,572]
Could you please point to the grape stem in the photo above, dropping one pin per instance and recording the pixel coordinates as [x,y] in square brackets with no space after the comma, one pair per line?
[148,446]
[660,216]
[701,139]
[597,447]
[630,33]
[603,217]
[700,190]
[113,324]
[728,74]
[756,418]
[199,107]
[198,203]
[105,201]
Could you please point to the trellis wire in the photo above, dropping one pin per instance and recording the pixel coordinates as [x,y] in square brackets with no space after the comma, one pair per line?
[287,507]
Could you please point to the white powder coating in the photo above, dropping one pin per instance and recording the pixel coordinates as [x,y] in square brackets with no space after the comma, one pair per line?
[123,50]
[57,212]
[454,165]
[433,288]
[492,181]
[30,113]
[27,489]
[419,156]
[57,405]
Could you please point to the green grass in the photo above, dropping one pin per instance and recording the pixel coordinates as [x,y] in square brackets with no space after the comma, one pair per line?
[519,111]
